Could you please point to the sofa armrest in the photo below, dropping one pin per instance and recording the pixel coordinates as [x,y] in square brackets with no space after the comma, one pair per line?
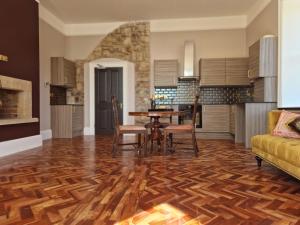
[273,118]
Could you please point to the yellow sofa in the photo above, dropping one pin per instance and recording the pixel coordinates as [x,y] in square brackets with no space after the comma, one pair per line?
[284,153]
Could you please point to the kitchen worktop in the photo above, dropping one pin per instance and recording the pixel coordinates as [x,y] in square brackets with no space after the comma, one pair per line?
[69,104]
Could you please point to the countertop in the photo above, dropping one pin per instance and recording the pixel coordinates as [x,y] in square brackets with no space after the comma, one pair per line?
[236,103]
[69,104]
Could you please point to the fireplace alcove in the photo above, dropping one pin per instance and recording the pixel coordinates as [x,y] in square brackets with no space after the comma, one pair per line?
[15,101]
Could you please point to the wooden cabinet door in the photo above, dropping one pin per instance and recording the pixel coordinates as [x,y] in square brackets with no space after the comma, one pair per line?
[215,118]
[263,58]
[232,119]
[212,71]
[77,120]
[69,73]
[63,72]
[57,77]
[254,59]
[165,73]
[237,71]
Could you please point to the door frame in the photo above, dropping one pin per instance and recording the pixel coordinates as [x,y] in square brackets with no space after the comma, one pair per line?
[89,95]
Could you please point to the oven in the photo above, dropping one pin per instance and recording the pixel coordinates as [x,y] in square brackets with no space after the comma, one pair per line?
[188,115]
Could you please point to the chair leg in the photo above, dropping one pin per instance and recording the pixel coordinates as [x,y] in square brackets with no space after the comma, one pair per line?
[139,144]
[151,137]
[171,141]
[194,143]
[165,142]
[115,145]
[145,144]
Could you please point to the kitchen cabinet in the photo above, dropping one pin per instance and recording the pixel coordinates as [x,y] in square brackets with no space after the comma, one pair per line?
[63,72]
[232,119]
[215,118]
[237,71]
[212,71]
[224,71]
[263,58]
[256,120]
[265,89]
[66,121]
[165,73]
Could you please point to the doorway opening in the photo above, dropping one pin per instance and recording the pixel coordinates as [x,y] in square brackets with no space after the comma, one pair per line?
[108,83]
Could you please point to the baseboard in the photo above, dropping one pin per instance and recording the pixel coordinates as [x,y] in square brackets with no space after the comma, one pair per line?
[88,131]
[46,134]
[19,145]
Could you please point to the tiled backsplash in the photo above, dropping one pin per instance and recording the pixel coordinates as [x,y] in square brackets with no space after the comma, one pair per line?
[225,95]
[186,90]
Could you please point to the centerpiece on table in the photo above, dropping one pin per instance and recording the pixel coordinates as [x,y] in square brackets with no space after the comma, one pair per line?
[154,98]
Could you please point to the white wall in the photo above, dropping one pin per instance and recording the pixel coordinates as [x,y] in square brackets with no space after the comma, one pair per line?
[265,23]
[289,57]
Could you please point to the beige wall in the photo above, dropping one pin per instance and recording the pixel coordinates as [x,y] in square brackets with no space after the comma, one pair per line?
[79,47]
[52,43]
[169,45]
[265,23]
[209,44]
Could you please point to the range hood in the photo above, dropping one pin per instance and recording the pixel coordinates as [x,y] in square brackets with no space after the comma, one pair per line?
[189,72]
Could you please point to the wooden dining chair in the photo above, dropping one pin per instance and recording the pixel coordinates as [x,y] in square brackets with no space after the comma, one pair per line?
[183,129]
[120,130]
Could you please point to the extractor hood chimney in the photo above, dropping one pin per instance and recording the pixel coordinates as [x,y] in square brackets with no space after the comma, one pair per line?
[189,62]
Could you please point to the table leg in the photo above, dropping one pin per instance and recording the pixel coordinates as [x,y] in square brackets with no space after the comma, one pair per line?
[156,132]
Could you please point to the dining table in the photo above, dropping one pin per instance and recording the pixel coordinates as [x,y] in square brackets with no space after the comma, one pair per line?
[155,123]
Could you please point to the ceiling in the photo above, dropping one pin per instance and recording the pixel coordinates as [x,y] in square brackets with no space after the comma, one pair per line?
[100,11]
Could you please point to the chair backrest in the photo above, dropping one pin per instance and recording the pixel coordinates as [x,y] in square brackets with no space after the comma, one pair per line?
[114,102]
[195,110]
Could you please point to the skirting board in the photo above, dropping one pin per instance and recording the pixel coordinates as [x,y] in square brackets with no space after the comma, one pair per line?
[19,145]
[46,134]
[88,131]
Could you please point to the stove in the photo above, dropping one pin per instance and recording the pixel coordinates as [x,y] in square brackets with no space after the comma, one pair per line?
[188,116]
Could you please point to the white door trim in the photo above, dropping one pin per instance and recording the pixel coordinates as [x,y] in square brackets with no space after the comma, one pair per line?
[89,94]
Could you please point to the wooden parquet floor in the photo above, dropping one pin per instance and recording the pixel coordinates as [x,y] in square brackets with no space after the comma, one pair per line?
[78,182]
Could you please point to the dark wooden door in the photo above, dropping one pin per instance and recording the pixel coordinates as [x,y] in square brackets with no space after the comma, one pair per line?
[108,83]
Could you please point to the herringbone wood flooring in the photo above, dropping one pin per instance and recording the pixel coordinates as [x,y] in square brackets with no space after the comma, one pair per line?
[78,182]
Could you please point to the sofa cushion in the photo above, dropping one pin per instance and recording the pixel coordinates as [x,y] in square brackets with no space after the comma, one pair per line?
[282,128]
[287,149]
[295,125]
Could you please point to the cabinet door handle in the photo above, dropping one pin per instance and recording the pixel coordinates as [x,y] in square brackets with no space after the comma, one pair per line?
[249,73]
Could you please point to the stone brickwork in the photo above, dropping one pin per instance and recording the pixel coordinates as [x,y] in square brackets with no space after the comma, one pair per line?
[130,42]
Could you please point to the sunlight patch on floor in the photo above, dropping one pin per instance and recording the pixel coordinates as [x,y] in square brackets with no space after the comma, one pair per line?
[160,214]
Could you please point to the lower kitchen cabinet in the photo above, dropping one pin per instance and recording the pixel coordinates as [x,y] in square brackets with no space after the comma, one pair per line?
[216,118]
[251,119]
[66,121]
[256,120]
[232,119]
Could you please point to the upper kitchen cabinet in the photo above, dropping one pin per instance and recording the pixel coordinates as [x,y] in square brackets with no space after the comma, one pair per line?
[63,72]
[165,73]
[224,71]
[237,71]
[212,71]
[263,58]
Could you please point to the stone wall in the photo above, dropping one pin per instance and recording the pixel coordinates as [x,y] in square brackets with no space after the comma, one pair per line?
[130,42]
